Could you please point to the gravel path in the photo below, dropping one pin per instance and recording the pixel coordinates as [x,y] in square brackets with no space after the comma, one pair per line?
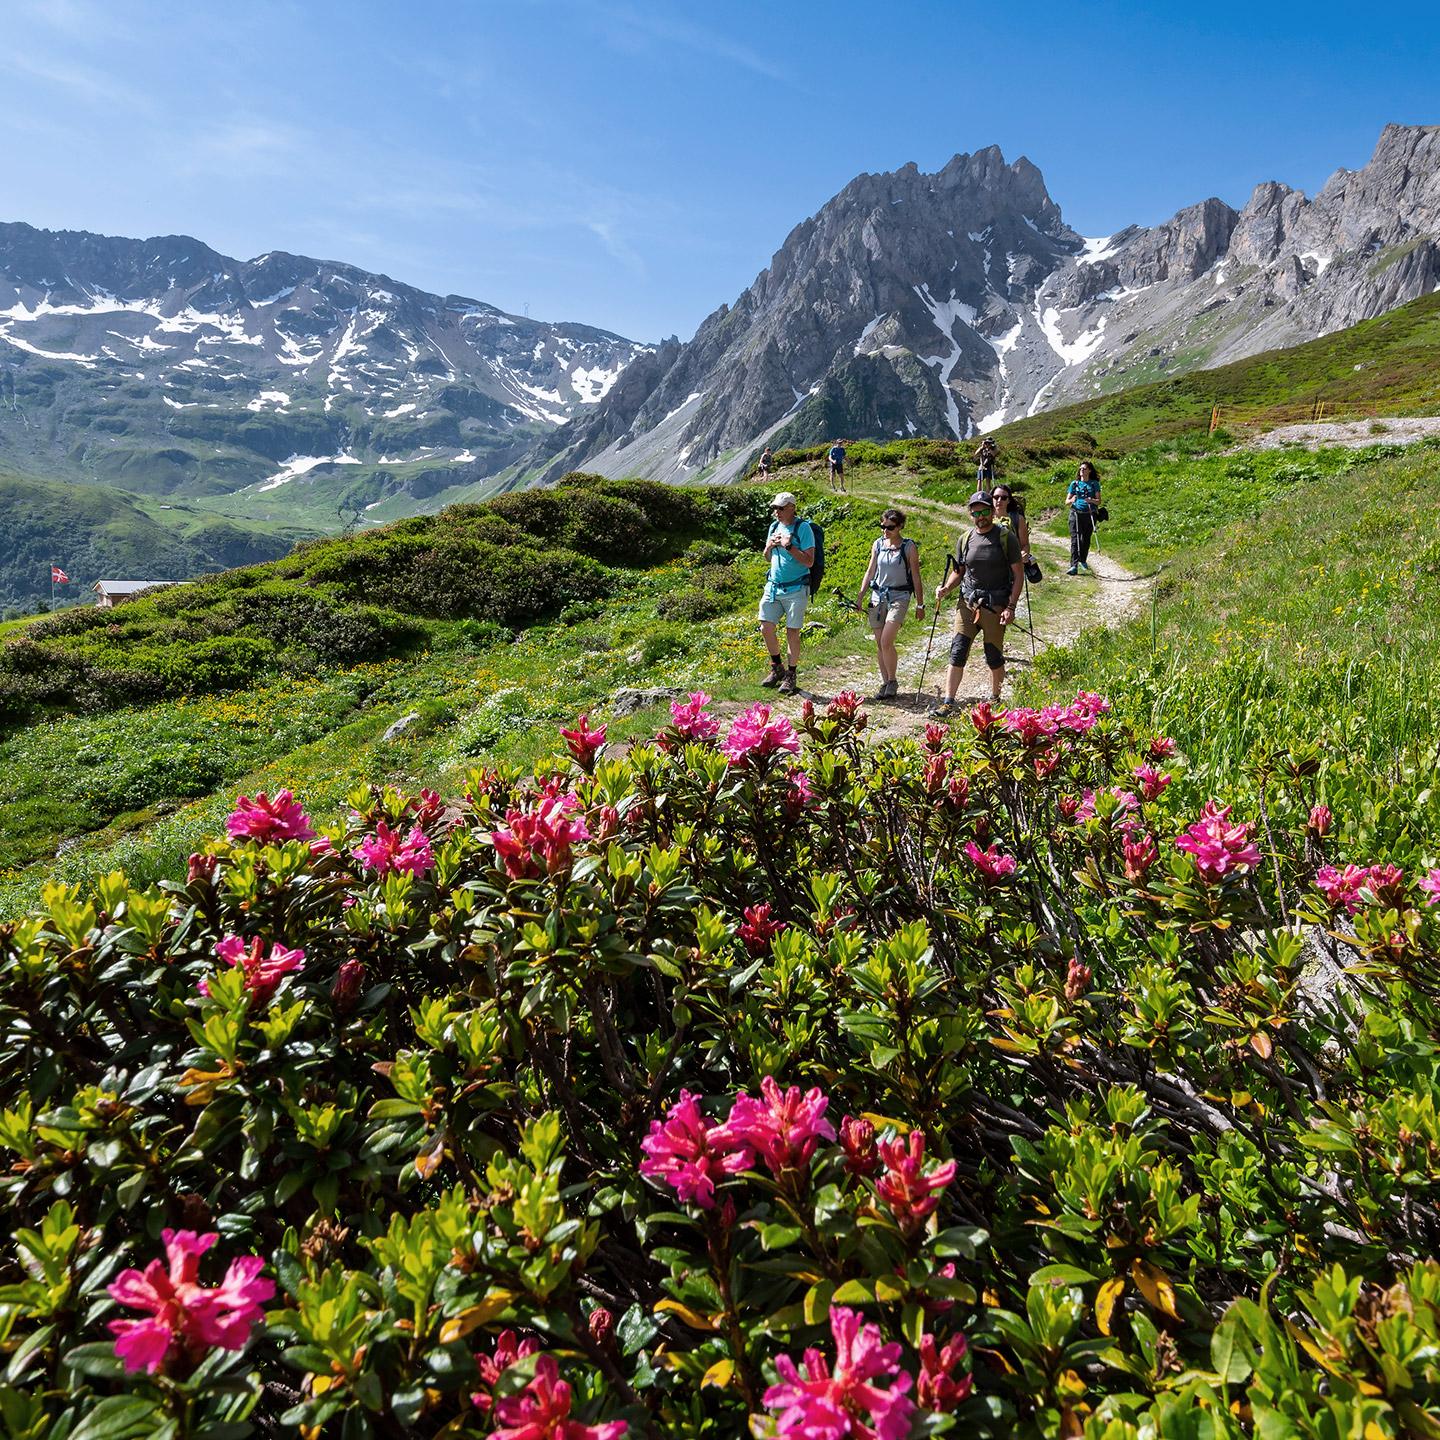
[1350,434]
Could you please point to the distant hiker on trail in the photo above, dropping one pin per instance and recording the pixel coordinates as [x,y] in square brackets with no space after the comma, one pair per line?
[1083,498]
[790,546]
[891,578]
[767,458]
[837,466]
[1010,514]
[989,572]
[985,462]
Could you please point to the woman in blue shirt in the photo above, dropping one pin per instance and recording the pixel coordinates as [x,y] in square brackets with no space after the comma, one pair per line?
[1083,498]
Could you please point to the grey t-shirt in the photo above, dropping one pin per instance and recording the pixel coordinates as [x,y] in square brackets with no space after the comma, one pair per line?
[892,565]
[987,559]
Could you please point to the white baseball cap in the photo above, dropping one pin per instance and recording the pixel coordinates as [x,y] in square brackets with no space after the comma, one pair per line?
[782,499]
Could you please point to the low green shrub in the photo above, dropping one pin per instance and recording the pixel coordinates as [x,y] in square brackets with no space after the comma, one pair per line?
[683,1091]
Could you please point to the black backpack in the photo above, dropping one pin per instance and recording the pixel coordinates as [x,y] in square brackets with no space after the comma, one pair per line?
[817,566]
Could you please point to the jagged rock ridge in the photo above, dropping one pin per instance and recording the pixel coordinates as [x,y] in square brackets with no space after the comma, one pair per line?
[948,304]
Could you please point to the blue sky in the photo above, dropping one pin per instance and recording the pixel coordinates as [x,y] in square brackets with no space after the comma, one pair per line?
[633,164]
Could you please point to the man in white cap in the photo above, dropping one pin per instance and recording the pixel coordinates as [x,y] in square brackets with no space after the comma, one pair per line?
[791,548]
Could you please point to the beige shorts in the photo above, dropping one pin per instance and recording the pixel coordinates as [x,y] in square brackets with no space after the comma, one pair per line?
[887,606]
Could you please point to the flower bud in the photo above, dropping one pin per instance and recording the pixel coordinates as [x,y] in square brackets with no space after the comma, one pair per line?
[857,1138]
[349,982]
[602,1326]
[201,869]
[1320,820]
[1077,980]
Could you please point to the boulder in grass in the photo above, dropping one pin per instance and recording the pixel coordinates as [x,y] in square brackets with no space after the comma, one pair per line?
[630,700]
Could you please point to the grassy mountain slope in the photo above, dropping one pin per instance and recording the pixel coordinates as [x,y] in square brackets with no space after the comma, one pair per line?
[128,733]
[1388,363]
[96,533]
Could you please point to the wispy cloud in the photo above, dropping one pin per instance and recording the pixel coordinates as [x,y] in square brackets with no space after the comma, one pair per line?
[241,146]
[630,29]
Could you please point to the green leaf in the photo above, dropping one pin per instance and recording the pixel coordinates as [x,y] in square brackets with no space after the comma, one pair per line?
[855,1292]
[123,1417]
[777,1237]
[1232,1352]
[1061,1275]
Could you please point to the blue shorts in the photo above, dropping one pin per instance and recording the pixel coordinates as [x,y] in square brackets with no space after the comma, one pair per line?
[787,605]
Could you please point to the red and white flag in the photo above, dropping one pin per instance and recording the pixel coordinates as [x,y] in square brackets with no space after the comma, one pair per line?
[58,576]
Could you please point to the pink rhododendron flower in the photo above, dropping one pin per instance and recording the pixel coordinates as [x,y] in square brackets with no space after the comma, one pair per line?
[1069,807]
[1220,846]
[759,928]
[826,1402]
[1077,979]
[690,1154]
[936,736]
[845,705]
[798,794]
[540,839]
[1385,884]
[1431,886]
[958,791]
[692,719]
[385,851]
[1150,781]
[1140,855]
[185,1319]
[756,734]
[982,717]
[783,1126]
[269,821]
[990,863]
[507,1351]
[584,743]
[1319,821]
[857,1139]
[1162,747]
[541,1411]
[939,1387]
[1030,725]
[1342,887]
[905,1186]
[263,973]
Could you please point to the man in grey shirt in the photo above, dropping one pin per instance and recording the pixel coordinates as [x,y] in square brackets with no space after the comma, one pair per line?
[991,576]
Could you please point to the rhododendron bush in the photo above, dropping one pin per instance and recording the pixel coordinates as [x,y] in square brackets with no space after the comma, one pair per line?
[757,1080]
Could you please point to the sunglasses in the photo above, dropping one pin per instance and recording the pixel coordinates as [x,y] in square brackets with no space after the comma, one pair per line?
[982,510]
[889,527]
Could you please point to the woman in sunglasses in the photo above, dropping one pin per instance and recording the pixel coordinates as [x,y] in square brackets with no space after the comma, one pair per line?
[891,578]
[1010,514]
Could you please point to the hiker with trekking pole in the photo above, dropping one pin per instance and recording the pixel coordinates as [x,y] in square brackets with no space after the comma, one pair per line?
[990,574]
[790,546]
[985,458]
[891,579]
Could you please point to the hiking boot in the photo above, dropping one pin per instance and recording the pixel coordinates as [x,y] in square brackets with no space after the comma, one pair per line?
[946,709]
[1073,570]
[788,685]
[776,675]
[890,689]
[1084,568]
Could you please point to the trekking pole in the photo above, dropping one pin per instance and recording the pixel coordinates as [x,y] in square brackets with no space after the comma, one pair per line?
[1030,616]
[929,644]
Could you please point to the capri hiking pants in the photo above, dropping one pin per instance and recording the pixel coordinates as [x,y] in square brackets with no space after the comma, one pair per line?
[972,620]
[1082,527]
